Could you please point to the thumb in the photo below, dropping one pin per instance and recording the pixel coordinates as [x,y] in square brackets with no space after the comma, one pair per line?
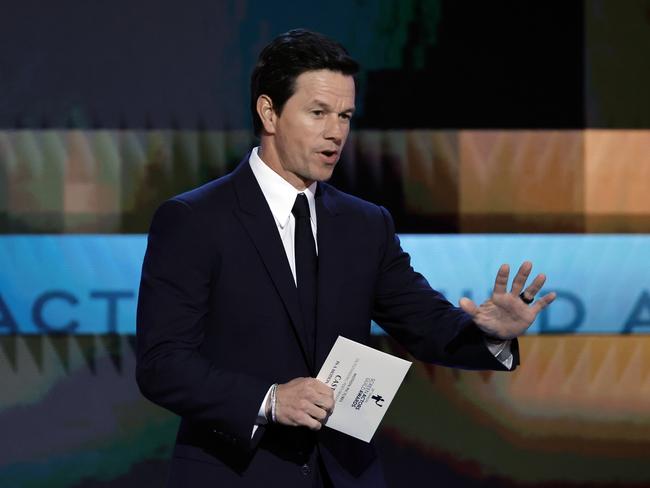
[468,306]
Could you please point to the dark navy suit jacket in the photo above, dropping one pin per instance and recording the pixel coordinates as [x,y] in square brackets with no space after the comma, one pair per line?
[219,321]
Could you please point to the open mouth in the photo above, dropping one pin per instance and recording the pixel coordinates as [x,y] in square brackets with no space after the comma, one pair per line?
[329,154]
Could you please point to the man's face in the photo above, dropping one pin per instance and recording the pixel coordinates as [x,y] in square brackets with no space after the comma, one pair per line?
[313,126]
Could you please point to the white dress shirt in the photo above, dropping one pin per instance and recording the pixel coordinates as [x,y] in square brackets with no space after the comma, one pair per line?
[281,196]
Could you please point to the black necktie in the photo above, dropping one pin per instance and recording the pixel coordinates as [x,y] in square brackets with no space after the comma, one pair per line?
[306,265]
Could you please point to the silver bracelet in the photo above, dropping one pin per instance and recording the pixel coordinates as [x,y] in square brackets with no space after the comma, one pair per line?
[273,402]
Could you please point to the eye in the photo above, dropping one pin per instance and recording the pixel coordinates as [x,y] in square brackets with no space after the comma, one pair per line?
[317,113]
[345,116]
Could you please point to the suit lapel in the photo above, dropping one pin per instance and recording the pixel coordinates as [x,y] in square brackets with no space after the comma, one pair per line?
[256,217]
[330,253]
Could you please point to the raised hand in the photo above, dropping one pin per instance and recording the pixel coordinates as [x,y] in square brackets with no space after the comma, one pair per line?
[506,315]
[304,402]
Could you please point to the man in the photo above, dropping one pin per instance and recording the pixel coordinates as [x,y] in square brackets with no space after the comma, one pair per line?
[249,279]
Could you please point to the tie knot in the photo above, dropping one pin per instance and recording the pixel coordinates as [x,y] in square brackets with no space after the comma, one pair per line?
[301,207]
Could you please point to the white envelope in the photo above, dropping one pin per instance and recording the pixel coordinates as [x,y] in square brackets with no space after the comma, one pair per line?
[364,381]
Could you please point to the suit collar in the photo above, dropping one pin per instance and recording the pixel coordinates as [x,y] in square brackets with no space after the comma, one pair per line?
[251,198]
[257,219]
[278,192]
[331,249]
[326,200]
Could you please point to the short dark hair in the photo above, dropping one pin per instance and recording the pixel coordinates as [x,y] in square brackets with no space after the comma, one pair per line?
[287,57]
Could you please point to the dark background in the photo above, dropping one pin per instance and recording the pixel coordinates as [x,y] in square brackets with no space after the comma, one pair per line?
[474,117]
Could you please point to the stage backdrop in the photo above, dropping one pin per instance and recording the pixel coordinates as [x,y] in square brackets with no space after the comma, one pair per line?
[493,132]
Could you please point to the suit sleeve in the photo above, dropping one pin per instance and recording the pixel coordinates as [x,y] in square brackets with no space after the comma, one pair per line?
[180,262]
[421,319]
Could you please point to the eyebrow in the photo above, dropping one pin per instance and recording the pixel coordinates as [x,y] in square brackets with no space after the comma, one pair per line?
[326,106]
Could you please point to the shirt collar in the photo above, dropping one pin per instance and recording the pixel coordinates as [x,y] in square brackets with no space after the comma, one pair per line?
[278,192]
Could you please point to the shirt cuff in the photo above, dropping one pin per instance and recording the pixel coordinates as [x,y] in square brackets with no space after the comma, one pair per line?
[261,414]
[501,350]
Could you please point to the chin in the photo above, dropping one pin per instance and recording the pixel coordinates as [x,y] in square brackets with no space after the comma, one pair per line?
[324,175]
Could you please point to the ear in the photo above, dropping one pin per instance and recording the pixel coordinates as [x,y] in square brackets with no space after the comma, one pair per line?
[266,113]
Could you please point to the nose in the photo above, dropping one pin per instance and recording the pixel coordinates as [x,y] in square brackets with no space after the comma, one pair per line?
[335,129]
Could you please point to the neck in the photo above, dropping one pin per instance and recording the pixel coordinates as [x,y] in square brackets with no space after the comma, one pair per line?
[269,156]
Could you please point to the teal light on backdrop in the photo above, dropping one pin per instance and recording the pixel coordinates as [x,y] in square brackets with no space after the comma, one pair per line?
[88,284]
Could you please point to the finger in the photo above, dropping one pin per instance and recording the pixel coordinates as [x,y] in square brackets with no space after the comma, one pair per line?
[320,388]
[321,394]
[520,278]
[317,413]
[501,282]
[533,289]
[308,421]
[468,306]
[306,408]
[543,302]
[326,403]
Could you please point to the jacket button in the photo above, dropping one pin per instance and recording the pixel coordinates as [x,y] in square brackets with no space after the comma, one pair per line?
[305,470]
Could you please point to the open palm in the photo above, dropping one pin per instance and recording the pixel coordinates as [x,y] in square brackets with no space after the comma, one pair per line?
[505,315]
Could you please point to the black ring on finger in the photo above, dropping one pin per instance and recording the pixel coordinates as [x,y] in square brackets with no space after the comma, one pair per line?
[525,299]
